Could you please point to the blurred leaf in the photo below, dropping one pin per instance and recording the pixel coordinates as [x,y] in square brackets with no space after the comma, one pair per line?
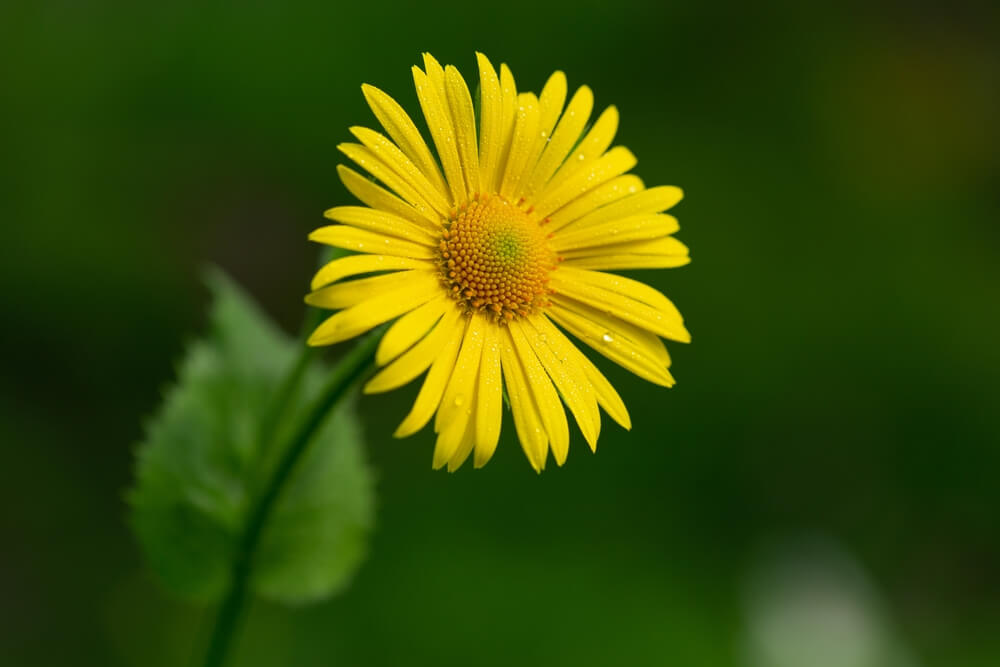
[202,466]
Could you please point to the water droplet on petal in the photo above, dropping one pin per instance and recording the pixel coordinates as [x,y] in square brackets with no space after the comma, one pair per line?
[607,337]
[459,400]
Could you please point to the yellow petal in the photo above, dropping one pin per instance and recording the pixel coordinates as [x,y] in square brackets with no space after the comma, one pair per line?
[434,384]
[567,132]
[349,293]
[637,228]
[508,117]
[431,93]
[489,403]
[653,200]
[525,134]
[417,359]
[367,160]
[527,421]
[607,397]
[404,132]
[667,247]
[458,396]
[465,445]
[624,298]
[613,190]
[613,163]
[551,103]
[547,402]
[379,198]
[626,345]
[381,222]
[591,147]
[658,254]
[351,238]
[552,349]
[550,106]
[395,159]
[410,328]
[368,314]
[464,117]
[357,264]
[454,415]
[491,132]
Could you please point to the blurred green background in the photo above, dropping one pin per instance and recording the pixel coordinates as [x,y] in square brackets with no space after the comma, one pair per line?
[823,478]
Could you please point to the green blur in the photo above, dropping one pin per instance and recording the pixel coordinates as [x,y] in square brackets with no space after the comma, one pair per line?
[841,205]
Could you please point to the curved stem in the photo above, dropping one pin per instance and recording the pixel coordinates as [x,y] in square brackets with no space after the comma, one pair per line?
[350,368]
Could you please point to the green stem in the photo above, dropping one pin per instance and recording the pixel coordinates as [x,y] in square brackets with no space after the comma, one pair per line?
[350,368]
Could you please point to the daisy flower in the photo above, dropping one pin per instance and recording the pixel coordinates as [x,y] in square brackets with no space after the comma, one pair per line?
[492,249]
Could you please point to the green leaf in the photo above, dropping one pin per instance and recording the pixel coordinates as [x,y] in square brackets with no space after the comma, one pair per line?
[203,465]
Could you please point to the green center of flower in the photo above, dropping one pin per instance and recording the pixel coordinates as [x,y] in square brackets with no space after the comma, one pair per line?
[495,258]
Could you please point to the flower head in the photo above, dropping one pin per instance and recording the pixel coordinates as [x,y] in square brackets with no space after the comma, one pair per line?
[490,252]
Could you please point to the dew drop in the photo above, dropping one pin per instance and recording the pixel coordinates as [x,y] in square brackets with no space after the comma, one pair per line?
[459,400]
[607,337]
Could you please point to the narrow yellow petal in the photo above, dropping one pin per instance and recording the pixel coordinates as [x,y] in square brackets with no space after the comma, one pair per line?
[434,384]
[613,163]
[455,442]
[551,103]
[567,132]
[395,159]
[457,397]
[369,314]
[658,254]
[605,392]
[490,129]
[667,247]
[489,404]
[466,444]
[550,106]
[546,400]
[367,160]
[527,421]
[525,135]
[351,238]
[410,328]
[358,264]
[417,359]
[381,222]
[352,292]
[613,190]
[629,262]
[632,289]
[626,299]
[454,415]
[379,198]
[508,117]
[404,132]
[591,147]
[637,228]
[464,117]
[648,343]
[626,345]
[552,349]
[431,93]
[653,200]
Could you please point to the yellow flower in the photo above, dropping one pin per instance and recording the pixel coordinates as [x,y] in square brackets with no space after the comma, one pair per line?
[481,262]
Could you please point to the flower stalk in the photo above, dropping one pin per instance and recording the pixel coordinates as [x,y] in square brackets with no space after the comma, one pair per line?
[231,612]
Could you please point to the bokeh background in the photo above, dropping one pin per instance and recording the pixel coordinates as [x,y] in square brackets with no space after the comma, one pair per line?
[820,488]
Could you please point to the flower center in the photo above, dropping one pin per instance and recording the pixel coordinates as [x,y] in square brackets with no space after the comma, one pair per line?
[496,258]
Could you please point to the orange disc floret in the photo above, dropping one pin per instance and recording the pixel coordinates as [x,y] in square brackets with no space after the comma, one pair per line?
[495,258]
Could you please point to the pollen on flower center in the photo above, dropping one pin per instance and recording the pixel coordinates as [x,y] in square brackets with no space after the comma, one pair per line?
[496,258]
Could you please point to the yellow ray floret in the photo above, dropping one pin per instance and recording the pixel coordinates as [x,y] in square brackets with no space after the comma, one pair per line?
[485,246]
